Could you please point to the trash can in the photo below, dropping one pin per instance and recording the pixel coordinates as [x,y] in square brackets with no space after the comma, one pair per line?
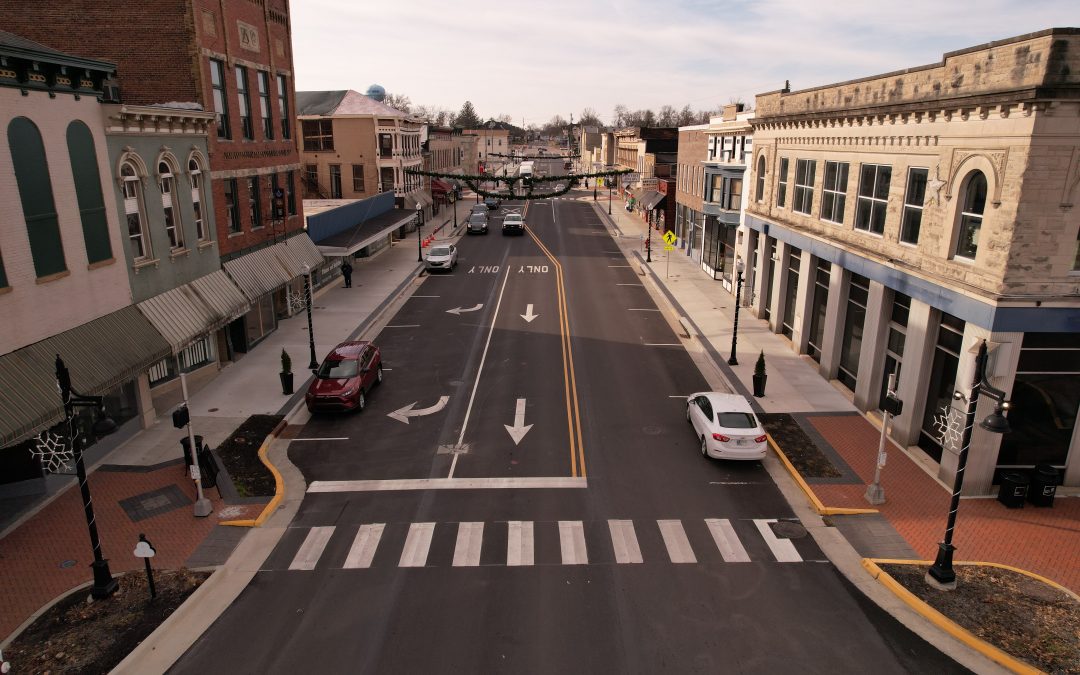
[1014,488]
[185,442]
[1044,482]
[208,467]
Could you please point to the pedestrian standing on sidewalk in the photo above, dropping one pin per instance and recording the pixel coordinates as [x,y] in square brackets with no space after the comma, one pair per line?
[346,272]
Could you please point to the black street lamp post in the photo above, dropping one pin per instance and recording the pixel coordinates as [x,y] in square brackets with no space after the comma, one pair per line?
[419,244]
[941,574]
[609,195]
[313,362]
[104,583]
[648,241]
[732,360]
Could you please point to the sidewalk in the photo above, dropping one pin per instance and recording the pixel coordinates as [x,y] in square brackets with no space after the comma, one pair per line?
[1045,541]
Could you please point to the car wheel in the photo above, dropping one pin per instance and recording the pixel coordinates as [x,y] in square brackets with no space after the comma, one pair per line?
[361,401]
[378,375]
[704,448]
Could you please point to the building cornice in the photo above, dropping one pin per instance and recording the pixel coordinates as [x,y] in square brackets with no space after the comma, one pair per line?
[142,119]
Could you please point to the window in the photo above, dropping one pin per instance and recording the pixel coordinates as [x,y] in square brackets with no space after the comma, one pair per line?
[854,318]
[357,178]
[759,194]
[1076,259]
[195,171]
[318,135]
[939,391]
[136,223]
[254,202]
[386,145]
[221,108]
[87,179]
[283,107]
[36,196]
[232,206]
[781,185]
[818,309]
[972,216]
[804,185]
[173,227]
[913,206]
[335,181]
[276,213]
[834,193]
[731,199]
[290,194]
[873,198]
[244,99]
[264,105]
[787,326]
[311,175]
[894,345]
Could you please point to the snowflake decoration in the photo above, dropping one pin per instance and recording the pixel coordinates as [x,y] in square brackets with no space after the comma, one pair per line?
[53,451]
[297,301]
[948,425]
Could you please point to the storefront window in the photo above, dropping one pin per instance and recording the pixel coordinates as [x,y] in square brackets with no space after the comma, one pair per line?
[766,287]
[894,348]
[854,318]
[817,316]
[791,292]
[939,394]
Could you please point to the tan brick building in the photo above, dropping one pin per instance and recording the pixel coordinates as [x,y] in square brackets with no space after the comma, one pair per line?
[897,220]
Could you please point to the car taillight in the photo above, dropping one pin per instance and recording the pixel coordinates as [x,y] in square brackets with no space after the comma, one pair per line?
[761,439]
[720,437]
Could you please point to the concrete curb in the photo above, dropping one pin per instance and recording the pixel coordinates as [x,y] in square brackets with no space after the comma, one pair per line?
[943,622]
[816,503]
[279,484]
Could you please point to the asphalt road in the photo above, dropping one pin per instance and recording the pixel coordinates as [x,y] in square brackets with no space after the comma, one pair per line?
[635,554]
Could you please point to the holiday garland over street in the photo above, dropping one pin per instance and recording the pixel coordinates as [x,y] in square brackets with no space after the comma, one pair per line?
[474,181]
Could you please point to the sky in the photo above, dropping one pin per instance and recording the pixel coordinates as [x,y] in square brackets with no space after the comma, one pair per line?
[534,60]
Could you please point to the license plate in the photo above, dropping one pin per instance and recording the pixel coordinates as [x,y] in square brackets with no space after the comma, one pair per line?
[742,442]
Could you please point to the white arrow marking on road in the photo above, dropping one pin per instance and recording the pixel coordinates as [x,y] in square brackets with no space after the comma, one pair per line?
[518,431]
[403,414]
[528,315]
[459,310]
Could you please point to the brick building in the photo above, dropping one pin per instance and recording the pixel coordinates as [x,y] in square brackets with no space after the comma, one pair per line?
[898,220]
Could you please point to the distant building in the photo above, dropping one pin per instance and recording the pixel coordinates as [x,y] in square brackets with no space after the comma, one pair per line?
[493,142]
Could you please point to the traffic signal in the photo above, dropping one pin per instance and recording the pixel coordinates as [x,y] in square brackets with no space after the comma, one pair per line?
[279,203]
[181,417]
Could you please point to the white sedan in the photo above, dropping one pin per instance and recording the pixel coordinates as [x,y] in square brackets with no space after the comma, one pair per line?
[443,257]
[726,426]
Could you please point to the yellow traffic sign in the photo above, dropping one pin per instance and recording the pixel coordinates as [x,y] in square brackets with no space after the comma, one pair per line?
[669,247]
[669,238]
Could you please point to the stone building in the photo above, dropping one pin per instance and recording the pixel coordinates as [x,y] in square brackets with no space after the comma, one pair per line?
[898,220]
[493,141]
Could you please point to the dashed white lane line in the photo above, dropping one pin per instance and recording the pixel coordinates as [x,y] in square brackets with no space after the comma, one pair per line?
[642,309]
[538,482]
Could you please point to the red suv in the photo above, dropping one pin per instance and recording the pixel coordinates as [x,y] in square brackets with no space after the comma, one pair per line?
[344,378]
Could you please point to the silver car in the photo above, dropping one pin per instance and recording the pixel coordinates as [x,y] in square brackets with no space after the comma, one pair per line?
[441,257]
[478,223]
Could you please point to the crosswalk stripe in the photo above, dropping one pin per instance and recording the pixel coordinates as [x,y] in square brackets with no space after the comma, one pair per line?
[470,536]
[726,540]
[678,546]
[364,545]
[572,542]
[417,544]
[782,549]
[519,543]
[624,541]
[312,548]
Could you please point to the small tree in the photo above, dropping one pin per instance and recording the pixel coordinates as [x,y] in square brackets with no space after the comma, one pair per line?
[467,117]
[759,367]
[286,362]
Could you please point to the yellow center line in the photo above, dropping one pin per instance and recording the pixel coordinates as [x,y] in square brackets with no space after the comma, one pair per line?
[573,414]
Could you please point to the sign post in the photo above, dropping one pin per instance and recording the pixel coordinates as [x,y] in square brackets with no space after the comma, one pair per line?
[146,551]
[669,246]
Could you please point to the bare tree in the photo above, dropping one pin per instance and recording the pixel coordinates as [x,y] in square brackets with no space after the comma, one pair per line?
[668,117]
[505,119]
[686,116]
[589,118]
[398,102]
[620,115]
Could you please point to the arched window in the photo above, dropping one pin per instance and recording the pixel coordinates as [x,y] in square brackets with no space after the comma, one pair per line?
[971,218]
[133,209]
[759,194]
[173,226]
[195,171]
[87,178]
[36,196]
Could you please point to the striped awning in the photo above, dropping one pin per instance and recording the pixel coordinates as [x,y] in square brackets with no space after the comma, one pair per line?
[301,250]
[259,272]
[100,354]
[185,313]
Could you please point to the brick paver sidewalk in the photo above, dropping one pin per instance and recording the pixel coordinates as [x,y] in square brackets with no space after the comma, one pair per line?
[1041,540]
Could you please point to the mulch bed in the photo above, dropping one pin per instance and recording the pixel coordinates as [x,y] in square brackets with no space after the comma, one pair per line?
[1021,616]
[240,455]
[807,458]
[88,637]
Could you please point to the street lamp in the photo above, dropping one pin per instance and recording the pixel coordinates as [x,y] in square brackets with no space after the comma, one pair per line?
[104,584]
[648,234]
[419,244]
[313,362]
[609,195]
[732,361]
[941,575]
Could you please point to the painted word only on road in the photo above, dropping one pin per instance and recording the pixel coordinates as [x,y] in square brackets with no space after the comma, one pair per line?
[533,269]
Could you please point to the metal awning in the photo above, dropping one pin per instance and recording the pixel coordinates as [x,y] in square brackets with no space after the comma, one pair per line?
[222,296]
[101,354]
[185,313]
[366,233]
[301,250]
[417,197]
[259,272]
[651,199]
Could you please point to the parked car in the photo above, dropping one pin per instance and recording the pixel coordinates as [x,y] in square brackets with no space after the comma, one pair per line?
[442,257]
[513,223]
[492,203]
[726,426]
[345,376]
[479,208]
[478,223]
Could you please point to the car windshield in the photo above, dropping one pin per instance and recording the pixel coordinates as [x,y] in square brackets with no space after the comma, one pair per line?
[513,219]
[337,370]
[477,218]
[440,250]
[735,420]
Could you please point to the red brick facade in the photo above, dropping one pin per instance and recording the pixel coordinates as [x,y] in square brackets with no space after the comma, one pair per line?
[163,51]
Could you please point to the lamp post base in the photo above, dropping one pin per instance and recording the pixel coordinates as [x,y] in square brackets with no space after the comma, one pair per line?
[732,361]
[875,494]
[941,575]
[203,508]
[104,583]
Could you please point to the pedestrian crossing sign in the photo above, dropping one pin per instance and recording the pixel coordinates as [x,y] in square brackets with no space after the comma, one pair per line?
[669,238]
